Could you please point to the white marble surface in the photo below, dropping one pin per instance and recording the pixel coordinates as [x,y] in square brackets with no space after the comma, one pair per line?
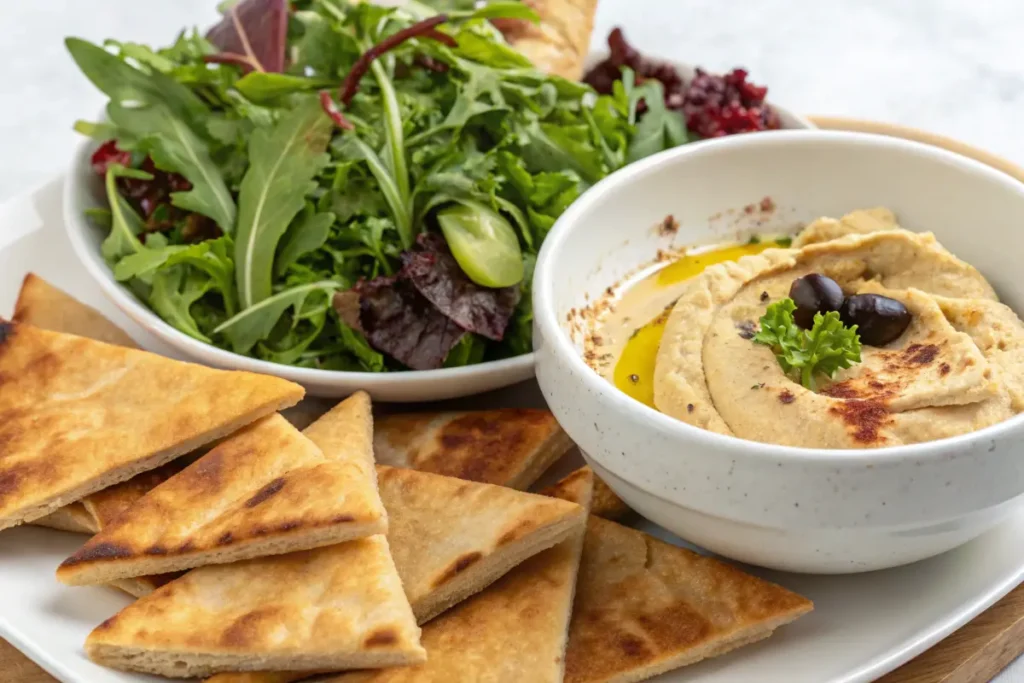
[950,66]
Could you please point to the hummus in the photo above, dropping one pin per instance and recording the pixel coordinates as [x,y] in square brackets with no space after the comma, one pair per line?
[958,367]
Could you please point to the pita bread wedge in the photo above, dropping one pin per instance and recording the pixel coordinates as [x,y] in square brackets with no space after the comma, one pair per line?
[43,305]
[508,447]
[605,503]
[78,416]
[338,607]
[267,490]
[514,631]
[558,44]
[73,517]
[644,607]
[451,538]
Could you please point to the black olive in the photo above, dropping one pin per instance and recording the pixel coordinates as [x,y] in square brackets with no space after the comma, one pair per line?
[814,293]
[878,318]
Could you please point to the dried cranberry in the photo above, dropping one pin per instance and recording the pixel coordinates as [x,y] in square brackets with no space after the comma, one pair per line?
[713,105]
[107,155]
[724,105]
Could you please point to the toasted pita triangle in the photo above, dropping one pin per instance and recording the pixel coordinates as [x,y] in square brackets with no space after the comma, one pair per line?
[644,607]
[338,607]
[43,305]
[514,631]
[267,490]
[77,416]
[451,538]
[509,447]
[605,503]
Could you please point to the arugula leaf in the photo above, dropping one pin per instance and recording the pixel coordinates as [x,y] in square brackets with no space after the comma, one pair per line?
[260,87]
[468,351]
[283,161]
[320,48]
[175,147]
[660,128]
[392,194]
[256,323]
[212,257]
[174,292]
[824,349]
[125,224]
[355,343]
[123,83]
[491,52]
[304,237]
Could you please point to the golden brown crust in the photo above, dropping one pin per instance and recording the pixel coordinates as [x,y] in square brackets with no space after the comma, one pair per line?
[515,631]
[451,538]
[266,490]
[43,305]
[77,415]
[73,517]
[605,503]
[559,43]
[509,447]
[326,609]
[644,607]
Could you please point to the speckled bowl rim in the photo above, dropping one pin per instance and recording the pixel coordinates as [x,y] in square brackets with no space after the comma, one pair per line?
[545,318]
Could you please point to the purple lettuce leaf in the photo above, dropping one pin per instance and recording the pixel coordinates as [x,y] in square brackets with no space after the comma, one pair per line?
[398,321]
[254,31]
[435,273]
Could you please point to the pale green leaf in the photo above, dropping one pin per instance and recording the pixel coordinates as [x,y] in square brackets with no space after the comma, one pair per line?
[255,324]
[283,161]
[308,235]
[176,147]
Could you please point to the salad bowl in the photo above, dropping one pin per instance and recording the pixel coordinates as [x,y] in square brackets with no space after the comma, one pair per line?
[791,508]
[84,191]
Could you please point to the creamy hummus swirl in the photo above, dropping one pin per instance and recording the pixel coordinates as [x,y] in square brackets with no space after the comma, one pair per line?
[957,368]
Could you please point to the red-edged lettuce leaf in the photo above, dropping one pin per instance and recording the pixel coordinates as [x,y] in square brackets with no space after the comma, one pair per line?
[252,33]
[419,315]
[435,274]
[399,321]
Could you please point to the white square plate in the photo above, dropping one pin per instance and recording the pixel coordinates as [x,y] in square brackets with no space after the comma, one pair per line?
[863,626]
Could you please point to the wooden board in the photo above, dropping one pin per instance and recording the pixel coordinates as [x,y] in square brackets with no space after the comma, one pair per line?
[973,654]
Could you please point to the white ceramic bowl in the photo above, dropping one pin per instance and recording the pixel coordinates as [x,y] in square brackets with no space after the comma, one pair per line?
[808,510]
[84,190]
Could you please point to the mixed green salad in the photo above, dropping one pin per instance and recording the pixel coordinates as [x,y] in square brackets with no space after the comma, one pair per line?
[345,186]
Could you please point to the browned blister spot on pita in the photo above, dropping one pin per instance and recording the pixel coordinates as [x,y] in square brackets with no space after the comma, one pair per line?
[266,493]
[481,446]
[98,552]
[457,567]
[288,526]
[6,330]
[225,538]
[246,629]
[381,637]
[156,550]
[341,519]
[107,623]
[520,529]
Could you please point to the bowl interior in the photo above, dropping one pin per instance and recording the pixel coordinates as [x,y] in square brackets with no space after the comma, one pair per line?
[611,232]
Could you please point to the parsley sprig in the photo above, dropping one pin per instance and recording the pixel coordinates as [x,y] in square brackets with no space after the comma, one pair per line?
[824,349]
